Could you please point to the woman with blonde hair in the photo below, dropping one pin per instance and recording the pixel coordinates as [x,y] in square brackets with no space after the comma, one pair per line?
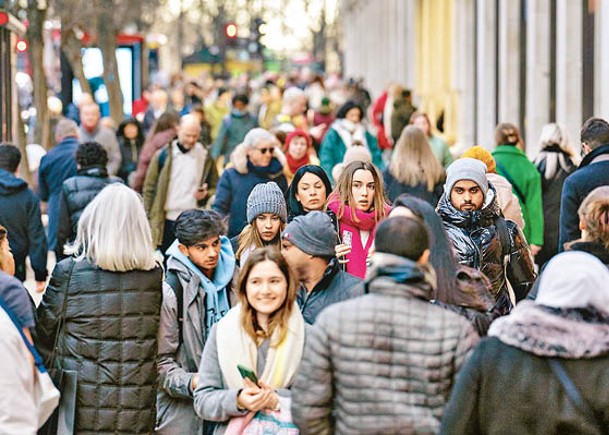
[594,224]
[100,314]
[266,333]
[358,201]
[414,169]
[555,162]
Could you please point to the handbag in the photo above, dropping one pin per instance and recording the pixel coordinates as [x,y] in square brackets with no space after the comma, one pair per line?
[61,421]
[267,422]
[475,290]
[46,396]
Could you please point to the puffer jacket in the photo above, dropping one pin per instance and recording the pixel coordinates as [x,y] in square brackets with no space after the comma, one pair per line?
[238,181]
[76,193]
[335,286]
[179,357]
[382,363]
[477,244]
[109,337]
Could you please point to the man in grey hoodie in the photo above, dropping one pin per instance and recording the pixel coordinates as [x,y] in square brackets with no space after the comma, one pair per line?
[196,294]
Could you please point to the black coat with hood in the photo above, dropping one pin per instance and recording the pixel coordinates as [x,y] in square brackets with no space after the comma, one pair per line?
[477,244]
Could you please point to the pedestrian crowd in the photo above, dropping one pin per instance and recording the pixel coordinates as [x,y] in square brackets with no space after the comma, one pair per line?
[259,258]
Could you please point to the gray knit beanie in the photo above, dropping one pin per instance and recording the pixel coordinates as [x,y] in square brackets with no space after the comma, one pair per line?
[312,233]
[466,169]
[266,198]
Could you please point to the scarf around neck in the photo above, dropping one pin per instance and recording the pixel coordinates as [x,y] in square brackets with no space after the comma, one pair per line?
[282,362]
[350,132]
[362,220]
[273,170]
[296,164]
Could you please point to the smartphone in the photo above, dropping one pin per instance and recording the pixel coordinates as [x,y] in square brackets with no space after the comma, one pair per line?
[247,373]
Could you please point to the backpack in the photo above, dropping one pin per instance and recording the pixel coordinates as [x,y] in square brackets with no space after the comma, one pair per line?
[172,279]
[506,247]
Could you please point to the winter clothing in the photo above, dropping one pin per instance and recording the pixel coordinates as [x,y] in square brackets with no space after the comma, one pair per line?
[395,188]
[20,215]
[237,182]
[514,165]
[130,151]
[440,150]
[106,138]
[400,117]
[179,357]
[292,164]
[313,233]
[215,113]
[466,169]
[477,244]
[16,297]
[593,172]
[335,286]
[508,202]
[482,154]
[339,138]
[570,323]
[384,362]
[56,166]
[555,166]
[233,129]
[109,337]
[353,154]
[158,184]
[151,146]
[215,398]
[77,192]
[266,198]
[350,228]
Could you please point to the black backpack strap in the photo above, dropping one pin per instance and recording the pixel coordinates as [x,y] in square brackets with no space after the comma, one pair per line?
[173,280]
[519,193]
[574,395]
[504,236]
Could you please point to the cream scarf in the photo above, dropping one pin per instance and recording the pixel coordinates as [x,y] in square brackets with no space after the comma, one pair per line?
[235,346]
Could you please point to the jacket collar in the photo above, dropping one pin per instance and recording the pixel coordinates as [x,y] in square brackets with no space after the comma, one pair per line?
[484,217]
[397,276]
[327,277]
[593,248]
[94,171]
[603,149]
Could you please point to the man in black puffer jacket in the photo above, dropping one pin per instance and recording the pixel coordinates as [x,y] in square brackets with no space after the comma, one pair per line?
[472,216]
[78,191]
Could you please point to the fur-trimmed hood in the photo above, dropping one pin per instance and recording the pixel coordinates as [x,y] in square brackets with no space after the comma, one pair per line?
[238,158]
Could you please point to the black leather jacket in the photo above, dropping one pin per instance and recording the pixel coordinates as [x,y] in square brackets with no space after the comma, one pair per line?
[477,244]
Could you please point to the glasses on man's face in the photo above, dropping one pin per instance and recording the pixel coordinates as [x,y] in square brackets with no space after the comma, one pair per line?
[264,150]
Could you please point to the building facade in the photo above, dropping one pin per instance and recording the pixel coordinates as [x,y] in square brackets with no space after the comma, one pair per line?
[481,62]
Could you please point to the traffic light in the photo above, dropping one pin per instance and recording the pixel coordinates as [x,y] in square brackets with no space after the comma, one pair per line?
[21,46]
[230,30]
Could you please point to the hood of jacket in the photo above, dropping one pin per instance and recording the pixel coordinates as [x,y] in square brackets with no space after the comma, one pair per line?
[10,184]
[94,171]
[398,276]
[239,158]
[470,219]
[224,270]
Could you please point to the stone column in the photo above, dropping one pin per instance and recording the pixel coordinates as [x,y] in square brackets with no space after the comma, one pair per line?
[509,61]
[464,66]
[486,64]
[569,67]
[538,72]
[601,73]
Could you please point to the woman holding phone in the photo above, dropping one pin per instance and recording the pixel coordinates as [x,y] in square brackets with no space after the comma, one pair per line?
[358,201]
[265,333]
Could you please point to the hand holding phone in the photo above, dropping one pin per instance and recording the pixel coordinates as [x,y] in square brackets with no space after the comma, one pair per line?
[247,373]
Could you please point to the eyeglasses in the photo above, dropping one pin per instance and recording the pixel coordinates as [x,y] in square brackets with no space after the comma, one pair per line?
[264,150]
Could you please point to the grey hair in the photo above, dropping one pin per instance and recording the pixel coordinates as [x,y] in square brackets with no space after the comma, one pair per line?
[113,232]
[292,93]
[255,136]
[65,128]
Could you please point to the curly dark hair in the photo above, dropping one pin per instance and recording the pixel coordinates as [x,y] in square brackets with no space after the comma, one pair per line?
[91,154]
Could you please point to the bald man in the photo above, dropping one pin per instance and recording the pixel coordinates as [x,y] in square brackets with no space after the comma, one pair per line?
[181,176]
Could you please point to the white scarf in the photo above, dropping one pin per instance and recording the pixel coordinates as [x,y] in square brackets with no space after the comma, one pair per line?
[350,132]
[235,347]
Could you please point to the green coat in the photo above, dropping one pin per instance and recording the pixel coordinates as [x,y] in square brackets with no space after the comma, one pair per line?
[514,165]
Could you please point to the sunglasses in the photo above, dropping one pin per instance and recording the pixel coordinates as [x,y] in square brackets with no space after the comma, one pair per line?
[264,150]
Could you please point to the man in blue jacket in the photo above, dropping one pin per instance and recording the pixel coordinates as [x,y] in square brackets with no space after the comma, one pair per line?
[308,244]
[56,166]
[593,172]
[20,215]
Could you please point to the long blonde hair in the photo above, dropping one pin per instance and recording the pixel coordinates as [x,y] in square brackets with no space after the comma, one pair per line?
[113,232]
[414,162]
[251,236]
[344,193]
[594,212]
[280,318]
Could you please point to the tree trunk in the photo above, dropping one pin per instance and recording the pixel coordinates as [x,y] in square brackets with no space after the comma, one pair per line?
[107,33]
[35,39]
[72,48]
